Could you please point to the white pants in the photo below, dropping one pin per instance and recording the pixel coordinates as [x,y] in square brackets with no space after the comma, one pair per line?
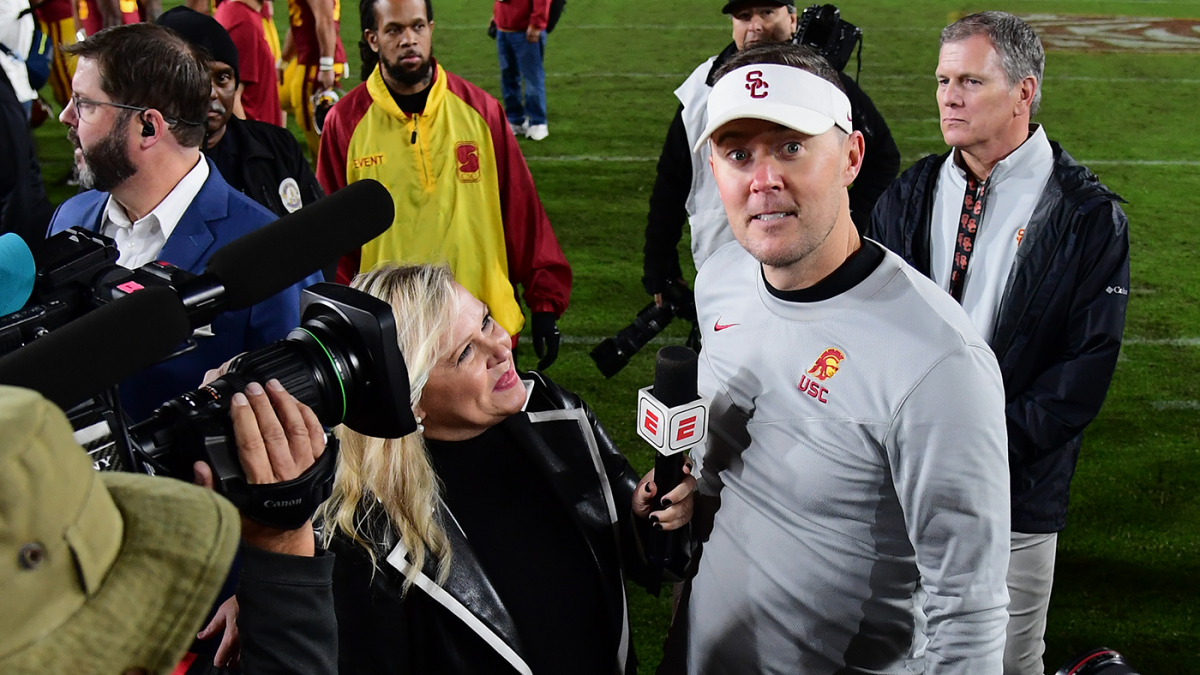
[1030,578]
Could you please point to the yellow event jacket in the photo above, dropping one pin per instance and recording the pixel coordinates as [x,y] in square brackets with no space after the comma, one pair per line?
[462,191]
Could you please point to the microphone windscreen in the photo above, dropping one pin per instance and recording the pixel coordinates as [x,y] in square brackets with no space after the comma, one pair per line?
[675,373]
[101,348]
[17,273]
[262,263]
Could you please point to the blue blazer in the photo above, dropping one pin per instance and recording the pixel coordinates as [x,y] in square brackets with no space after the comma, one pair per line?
[218,215]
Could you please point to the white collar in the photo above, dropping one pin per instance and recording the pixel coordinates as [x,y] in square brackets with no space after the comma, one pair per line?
[1035,151]
[529,384]
[171,209]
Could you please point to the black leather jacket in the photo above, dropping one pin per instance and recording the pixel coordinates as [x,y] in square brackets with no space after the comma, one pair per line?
[463,627]
[1059,324]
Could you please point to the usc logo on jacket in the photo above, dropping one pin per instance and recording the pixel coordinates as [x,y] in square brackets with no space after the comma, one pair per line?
[466,154]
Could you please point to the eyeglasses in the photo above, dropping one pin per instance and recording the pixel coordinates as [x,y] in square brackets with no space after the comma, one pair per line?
[86,107]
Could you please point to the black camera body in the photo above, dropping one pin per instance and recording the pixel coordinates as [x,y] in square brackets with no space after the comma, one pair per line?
[343,361]
[823,30]
[614,353]
[77,272]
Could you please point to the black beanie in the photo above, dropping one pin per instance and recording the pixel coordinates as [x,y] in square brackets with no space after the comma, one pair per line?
[204,32]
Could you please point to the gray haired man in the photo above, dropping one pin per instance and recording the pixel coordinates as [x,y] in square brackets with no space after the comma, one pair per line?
[1036,250]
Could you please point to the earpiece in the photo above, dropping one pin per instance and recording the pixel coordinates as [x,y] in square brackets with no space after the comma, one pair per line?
[147,128]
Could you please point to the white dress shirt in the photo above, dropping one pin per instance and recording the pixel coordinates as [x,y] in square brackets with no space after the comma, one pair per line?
[140,242]
[1011,193]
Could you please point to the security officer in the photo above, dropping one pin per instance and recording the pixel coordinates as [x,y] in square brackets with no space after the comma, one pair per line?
[261,160]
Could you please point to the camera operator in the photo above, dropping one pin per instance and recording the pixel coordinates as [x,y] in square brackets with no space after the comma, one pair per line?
[285,617]
[685,189]
[137,120]
[111,573]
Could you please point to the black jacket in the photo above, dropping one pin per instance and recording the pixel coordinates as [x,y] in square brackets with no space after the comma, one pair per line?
[1058,327]
[382,632]
[668,214]
[256,158]
[286,621]
[24,208]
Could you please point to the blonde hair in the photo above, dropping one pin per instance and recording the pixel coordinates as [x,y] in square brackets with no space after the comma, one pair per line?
[395,475]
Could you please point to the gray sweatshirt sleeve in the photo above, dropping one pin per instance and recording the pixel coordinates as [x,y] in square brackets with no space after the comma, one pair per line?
[949,461]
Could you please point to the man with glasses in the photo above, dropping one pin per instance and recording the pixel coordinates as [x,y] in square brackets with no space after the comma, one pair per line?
[137,120]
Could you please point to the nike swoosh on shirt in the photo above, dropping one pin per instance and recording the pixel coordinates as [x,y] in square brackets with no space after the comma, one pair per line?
[719,327]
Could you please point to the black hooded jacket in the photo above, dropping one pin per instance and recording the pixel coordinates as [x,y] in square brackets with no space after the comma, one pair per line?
[1058,327]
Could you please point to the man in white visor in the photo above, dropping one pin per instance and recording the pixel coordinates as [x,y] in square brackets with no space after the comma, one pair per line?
[856,470]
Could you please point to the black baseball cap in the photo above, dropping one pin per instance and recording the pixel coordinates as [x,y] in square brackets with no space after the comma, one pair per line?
[736,4]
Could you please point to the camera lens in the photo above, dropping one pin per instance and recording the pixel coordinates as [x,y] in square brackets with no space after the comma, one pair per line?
[614,353]
[1098,661]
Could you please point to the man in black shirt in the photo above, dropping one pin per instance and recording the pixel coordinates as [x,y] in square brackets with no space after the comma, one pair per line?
[261,160]
[684,188]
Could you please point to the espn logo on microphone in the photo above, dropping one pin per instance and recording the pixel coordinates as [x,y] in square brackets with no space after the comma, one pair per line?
[671,430]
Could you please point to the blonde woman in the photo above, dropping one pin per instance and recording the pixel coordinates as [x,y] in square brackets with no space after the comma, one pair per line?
[496,539]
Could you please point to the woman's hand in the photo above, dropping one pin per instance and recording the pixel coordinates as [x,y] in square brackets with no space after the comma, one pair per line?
[679,501]
[230,651]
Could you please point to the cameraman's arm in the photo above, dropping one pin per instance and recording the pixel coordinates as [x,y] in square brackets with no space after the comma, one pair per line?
[668,211]
[285,590]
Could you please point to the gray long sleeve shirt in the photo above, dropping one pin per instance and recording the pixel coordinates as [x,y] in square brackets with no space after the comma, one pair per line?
[857,444]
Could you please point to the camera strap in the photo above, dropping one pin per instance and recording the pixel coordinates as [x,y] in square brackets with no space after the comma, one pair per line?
[290,504]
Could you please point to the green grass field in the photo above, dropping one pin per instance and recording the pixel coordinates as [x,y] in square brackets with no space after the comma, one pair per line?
[1129,560]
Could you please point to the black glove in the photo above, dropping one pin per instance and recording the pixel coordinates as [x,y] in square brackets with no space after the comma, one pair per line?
[546,338]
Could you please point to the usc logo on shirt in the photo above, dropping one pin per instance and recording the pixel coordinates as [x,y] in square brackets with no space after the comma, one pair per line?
[826,366]
[467,155]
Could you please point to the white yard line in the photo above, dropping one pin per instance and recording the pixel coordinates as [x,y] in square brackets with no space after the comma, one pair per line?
[595,340]
[1169,342]
[592,158]
[716,25]
[1161,342]
[633,159]
[1175,405]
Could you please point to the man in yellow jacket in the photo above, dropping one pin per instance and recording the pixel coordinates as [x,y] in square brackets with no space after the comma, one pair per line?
[446,153]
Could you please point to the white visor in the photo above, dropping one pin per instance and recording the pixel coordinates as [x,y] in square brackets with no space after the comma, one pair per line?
[786,95]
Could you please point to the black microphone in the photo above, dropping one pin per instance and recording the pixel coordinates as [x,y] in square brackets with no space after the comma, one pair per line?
[672,417]
[101,348]
[264,262]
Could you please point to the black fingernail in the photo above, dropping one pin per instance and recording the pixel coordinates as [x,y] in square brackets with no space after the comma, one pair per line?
[654,519]
[666,502]
[647,487]
[657,526]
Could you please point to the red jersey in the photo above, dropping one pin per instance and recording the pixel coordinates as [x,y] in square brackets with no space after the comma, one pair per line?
[256,63]
[518,15]
[92,21]
[304,33]
[53,11]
